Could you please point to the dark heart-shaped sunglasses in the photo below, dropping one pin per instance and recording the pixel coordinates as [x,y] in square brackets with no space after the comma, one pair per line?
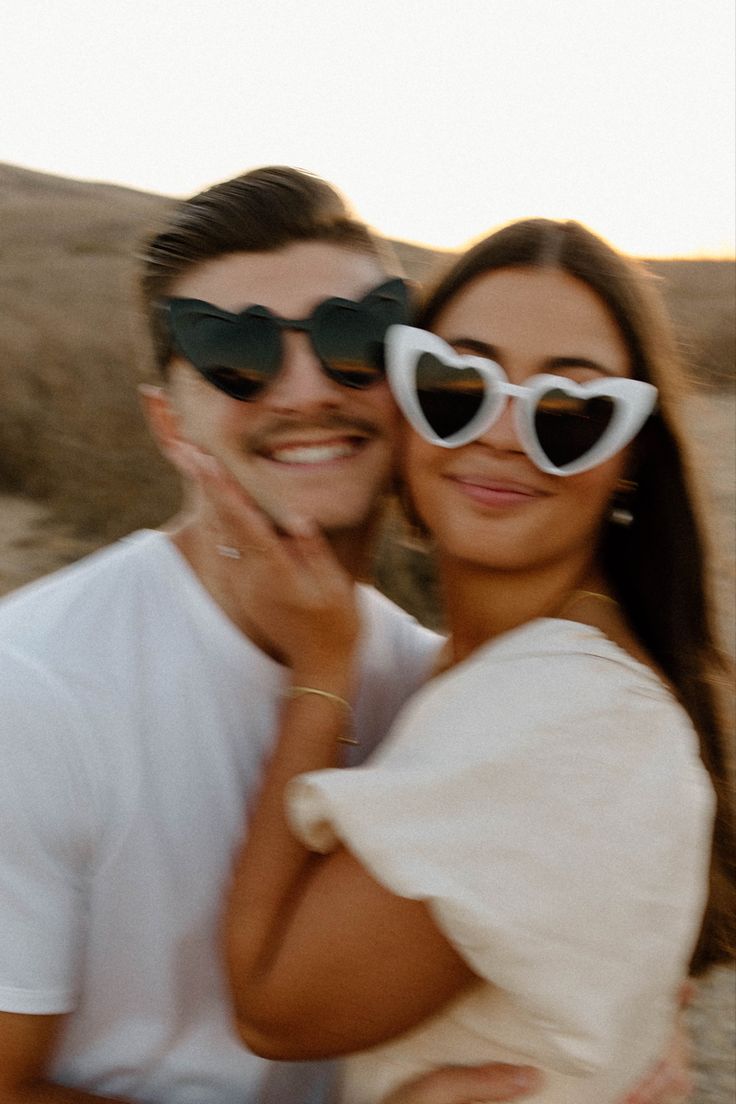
[564,427]
[242,353]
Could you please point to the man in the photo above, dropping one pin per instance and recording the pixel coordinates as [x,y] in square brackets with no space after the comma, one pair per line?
[136,700]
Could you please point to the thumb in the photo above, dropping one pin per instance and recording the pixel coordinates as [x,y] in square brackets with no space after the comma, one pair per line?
[469,1085]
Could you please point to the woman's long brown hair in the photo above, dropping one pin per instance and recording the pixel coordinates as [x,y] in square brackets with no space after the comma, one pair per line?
[657,564]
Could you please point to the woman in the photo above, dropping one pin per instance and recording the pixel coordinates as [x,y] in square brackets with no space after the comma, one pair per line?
[520,873]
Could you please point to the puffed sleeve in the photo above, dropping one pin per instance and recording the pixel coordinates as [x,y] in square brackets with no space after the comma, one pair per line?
[554,815]
[45,842]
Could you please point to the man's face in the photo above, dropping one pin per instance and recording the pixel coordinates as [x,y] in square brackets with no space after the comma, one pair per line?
[320,449]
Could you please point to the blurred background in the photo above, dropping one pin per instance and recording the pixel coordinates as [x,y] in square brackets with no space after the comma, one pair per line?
[439,119]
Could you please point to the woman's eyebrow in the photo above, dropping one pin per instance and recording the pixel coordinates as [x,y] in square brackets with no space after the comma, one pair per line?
[556,364]
[552,364]
[482,348]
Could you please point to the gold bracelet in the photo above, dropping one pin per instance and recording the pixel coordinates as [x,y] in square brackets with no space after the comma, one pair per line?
[297,691]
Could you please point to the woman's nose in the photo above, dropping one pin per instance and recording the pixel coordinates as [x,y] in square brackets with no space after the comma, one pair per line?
[503,434]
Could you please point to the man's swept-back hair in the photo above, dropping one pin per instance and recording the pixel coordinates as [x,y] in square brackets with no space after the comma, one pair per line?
[258,212]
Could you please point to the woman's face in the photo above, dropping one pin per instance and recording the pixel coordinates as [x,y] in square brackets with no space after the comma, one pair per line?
[486,502]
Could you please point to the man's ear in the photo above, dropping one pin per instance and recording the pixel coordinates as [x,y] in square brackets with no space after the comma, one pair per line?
[164,422]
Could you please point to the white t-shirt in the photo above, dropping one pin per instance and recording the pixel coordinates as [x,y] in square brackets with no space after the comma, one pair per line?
[546,798]
[134,717]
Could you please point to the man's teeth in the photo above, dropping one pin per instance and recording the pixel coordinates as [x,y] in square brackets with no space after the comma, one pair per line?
[314,454]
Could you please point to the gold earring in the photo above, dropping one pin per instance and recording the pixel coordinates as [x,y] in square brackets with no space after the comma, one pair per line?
[621,505]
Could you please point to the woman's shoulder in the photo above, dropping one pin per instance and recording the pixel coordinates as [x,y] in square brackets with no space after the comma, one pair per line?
[553,677]
[553,650]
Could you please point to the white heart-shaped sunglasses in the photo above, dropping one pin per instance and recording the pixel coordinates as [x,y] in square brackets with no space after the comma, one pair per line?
[564,427]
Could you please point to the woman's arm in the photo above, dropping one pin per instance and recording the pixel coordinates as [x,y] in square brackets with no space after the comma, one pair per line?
[323,959]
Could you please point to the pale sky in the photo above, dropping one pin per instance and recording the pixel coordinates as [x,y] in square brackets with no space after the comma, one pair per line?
[440,119]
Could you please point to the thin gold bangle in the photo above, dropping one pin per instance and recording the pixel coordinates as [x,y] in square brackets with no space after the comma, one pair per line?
[297,691]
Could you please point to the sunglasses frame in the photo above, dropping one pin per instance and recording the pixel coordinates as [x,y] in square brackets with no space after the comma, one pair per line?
[633,400]
[176,310]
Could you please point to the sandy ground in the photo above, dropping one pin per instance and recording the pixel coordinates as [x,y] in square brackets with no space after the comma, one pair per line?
[32,544]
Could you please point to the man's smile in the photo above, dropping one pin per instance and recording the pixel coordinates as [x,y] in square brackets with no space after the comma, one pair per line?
[316,452]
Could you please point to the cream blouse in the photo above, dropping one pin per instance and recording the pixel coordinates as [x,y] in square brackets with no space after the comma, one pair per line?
[547,799]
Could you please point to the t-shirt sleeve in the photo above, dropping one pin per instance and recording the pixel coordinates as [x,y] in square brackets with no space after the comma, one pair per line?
[45,842]
[559,832]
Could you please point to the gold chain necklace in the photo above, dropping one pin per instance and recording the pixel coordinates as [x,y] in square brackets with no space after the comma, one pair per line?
[578,595]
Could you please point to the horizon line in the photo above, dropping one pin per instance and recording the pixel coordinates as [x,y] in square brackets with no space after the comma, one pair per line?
[711,256]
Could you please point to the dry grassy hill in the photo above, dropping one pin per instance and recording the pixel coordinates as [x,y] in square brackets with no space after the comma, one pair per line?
[70,431]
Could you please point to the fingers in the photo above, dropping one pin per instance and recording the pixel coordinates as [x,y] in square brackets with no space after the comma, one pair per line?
[289,586]
[670,1082]
[283,519]
[666,1087]
[246,526]
[468,1085]
[240,522]
[687,993]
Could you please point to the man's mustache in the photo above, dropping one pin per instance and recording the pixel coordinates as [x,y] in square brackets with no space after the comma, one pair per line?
[286,428]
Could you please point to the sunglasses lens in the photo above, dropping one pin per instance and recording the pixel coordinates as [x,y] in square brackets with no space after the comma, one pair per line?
[349,337]
[568,426]
[449,398]
[349,341]
[238,357]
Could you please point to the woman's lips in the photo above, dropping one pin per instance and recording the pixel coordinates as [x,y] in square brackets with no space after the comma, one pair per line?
[496,492]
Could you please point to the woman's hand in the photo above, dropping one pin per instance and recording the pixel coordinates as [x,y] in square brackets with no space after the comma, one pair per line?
[668,1082]
[671,1080]
[286,582]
